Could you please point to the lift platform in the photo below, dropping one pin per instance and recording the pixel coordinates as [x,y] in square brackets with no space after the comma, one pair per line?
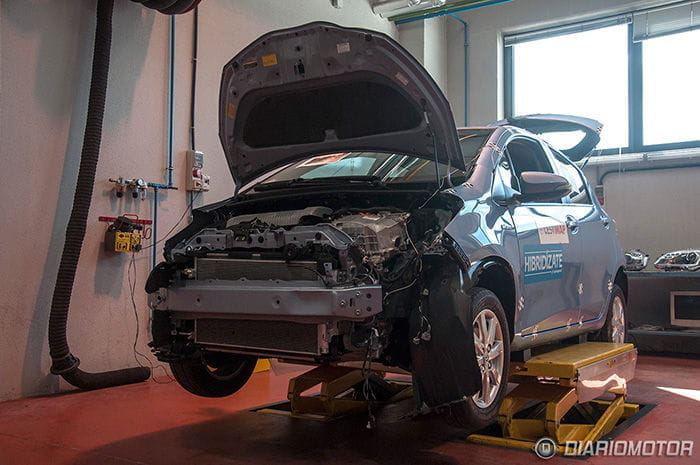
[344,391]
[557,397]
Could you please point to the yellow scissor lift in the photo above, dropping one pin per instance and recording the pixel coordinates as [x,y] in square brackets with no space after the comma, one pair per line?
[555,383]
[341,393]
[550,386]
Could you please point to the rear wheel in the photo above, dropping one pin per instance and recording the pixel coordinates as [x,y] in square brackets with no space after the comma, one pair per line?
[214,374]
[492,346]
[615,327]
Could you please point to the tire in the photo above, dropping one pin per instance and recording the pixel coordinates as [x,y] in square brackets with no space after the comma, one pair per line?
[479,410]
[615,327]
[214,374]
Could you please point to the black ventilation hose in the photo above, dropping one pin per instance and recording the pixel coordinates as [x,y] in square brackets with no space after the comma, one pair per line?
[63,362]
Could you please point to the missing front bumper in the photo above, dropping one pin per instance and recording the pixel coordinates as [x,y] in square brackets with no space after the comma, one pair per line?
[302,301]
[281,338]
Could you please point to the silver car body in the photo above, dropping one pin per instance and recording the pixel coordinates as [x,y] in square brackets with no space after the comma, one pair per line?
[233,280]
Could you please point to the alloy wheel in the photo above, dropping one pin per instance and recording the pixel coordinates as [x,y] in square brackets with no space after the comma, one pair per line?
[617,322]
[488,343]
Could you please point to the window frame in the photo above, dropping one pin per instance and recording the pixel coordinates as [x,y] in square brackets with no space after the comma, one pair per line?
[533,140]
[496,175]
[561,159]
[547,155]
[635,89]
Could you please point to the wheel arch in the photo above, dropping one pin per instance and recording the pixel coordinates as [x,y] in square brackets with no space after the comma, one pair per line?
[621,280]
[495,274]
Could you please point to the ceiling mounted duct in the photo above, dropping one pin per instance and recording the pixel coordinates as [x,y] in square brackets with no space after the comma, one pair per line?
[392,7]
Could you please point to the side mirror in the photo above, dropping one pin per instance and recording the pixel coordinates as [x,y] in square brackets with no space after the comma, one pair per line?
[537,186]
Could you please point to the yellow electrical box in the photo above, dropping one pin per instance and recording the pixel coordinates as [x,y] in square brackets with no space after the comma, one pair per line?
[123,235]
[117,241]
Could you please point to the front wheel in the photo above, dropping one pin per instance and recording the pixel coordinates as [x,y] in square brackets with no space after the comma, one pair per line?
[214,374]
[492,346]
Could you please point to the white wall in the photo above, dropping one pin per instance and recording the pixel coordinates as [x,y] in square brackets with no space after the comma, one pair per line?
[655,210]
[435,52]
[412,37]
[46,50]
[425,40]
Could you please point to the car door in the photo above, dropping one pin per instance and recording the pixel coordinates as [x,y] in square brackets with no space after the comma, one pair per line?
[550,250]
[593,229]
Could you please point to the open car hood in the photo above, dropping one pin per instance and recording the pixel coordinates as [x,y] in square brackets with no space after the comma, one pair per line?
[322,88]
[544,123]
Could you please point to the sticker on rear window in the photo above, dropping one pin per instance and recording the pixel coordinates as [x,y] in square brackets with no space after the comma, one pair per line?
[543,263]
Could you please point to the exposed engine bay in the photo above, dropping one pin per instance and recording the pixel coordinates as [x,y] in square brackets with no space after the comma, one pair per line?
[316,283]
[349,247]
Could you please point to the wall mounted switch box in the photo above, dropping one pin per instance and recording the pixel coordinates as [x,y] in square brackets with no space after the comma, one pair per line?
[123,235]
[197,181]
[117,241]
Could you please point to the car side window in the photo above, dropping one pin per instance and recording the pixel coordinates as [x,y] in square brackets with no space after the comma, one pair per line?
[505,172]
[525,154]
[579,192]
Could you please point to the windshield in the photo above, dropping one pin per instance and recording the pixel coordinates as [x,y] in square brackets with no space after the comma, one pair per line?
[380,166]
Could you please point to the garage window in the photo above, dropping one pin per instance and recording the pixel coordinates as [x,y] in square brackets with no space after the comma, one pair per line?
[671,66]
[636,73]
[583,73]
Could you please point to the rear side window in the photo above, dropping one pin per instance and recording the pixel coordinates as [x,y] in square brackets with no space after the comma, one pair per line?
[527,155]
[523,154]
[579,193]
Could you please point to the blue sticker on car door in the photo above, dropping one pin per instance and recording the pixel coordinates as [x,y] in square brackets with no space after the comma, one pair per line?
[543,262]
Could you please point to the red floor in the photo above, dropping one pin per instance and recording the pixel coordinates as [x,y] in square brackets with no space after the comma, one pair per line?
[162,424]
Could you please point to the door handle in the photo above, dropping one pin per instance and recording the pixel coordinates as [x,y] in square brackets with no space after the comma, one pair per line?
[572,223]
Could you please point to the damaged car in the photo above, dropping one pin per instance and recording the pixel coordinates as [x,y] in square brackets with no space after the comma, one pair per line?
[367,228]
